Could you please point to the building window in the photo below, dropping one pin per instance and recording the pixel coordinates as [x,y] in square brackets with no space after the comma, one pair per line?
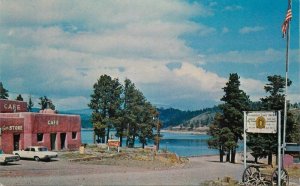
[74,135]
[40,137]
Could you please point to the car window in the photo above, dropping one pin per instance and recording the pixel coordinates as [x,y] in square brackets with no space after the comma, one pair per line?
[43,149]
[32,149]
[27,149]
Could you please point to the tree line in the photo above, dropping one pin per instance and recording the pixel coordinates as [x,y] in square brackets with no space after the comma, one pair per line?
[123,108]
[227,127]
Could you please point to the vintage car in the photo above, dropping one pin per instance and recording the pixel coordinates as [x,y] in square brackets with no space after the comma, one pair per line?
[5,158]
[36,152]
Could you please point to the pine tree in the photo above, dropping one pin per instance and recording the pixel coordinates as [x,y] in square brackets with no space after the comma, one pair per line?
[3,92]
[106,105]
[30,104]
[147,123]
[19,98]
[126,115]
[221,137]
[236,101]
[265,145]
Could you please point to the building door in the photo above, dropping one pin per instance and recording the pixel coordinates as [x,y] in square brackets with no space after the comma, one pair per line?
[53,141]
[16,141]
[62,140]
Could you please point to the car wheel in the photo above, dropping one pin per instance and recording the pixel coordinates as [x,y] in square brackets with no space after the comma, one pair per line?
[18,155]
[36,158]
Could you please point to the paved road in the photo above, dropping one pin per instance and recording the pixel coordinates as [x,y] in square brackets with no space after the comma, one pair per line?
[62,172]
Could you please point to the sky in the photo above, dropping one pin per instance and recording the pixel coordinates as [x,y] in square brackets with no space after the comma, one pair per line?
[178,53]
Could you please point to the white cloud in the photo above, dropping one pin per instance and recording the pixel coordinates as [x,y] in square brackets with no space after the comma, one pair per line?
[247,29]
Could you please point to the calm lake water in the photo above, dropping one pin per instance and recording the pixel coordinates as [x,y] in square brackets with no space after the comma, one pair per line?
[182,144]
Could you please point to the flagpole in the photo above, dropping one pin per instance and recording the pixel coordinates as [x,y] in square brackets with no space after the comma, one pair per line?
[286,83]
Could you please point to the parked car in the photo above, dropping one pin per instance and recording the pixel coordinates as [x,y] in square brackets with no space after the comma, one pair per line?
[5,158]
[36,152]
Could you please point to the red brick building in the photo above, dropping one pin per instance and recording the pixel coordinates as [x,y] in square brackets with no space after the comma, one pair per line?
[19,128]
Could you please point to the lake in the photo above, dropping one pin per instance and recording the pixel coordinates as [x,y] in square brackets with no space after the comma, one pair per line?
[181,144]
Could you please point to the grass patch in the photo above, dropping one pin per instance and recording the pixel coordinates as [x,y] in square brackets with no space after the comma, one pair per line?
[294,172]
[130,157]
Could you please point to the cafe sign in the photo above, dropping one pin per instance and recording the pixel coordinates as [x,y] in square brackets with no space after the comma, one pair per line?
[52,122]
[261,122]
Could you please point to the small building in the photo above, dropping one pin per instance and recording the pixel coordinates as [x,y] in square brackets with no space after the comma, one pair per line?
[19,128]
[292,156]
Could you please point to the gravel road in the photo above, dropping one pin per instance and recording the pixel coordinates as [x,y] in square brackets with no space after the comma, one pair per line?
[63,172]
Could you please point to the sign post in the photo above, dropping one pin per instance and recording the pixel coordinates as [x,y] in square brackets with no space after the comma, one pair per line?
[263,122]
[279,148]
[113,143]
[245,140]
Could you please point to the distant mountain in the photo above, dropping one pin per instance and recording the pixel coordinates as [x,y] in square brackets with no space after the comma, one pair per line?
[201,120]
[173,117]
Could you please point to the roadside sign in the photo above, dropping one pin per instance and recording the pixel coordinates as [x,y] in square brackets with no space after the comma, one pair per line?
[261,122]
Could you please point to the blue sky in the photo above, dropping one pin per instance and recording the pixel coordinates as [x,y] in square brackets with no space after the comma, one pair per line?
[178,53]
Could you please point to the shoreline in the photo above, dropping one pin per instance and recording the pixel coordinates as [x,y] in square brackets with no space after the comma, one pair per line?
[185,132]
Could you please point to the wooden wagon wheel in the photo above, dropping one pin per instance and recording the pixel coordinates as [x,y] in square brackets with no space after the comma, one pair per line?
[251,175]
[284,177]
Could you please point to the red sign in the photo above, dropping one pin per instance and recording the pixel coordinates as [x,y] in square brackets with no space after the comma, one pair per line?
[10,106]
[113,143]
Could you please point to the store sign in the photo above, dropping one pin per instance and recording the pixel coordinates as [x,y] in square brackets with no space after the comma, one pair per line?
[12,106]
[52,122]
[12,128]
[261,122]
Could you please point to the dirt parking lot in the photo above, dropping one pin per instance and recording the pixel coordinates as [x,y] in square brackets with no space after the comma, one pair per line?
[61,171]
[64,172]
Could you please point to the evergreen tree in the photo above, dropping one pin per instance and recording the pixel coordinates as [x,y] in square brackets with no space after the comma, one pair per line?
[236,101]
[265,145]
[46,103]
[19,98]
[146,123]
[30,104]
[134,107]
[3,92]
[222,137]
[136,116]
[106,105]
[214,131]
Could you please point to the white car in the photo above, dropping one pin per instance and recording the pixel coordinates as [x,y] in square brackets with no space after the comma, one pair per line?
[36,152]
[5,158]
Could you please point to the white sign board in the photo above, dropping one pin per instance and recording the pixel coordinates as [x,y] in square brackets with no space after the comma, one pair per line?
[261,122]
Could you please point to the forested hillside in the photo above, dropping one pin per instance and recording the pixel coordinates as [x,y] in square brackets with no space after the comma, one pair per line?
[174,117]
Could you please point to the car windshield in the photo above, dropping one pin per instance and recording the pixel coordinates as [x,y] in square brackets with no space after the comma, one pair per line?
[43,149]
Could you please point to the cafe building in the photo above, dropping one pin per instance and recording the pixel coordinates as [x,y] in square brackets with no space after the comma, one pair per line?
[20,128]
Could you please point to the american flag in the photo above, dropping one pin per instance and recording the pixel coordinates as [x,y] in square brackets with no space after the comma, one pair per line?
[287,20]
